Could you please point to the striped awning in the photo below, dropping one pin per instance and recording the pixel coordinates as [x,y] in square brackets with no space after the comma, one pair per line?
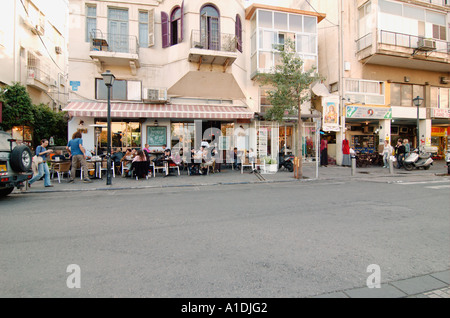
[140,110]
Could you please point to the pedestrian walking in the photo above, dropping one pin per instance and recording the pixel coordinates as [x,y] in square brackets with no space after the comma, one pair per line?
[387,152]
[324,152]
[78,153]
[43,170]
[399,153]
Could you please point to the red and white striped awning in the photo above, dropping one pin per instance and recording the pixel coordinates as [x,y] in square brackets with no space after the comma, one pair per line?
[140,110]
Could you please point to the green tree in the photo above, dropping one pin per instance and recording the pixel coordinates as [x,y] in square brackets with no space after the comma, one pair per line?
[290,86]
[48,123]
[17,107]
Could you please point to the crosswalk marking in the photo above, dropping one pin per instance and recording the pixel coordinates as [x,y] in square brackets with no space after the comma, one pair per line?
[422,182]
[446,186]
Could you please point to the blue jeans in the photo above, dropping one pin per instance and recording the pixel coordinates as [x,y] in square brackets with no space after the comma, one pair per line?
[42,171]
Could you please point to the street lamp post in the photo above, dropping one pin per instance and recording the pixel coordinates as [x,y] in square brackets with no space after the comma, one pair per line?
[417,102]
[108,79]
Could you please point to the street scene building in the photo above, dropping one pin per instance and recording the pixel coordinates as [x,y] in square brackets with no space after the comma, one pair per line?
[380,55]
[185,71]
[34,52]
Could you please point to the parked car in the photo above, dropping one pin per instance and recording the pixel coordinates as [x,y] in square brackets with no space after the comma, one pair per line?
[15,164]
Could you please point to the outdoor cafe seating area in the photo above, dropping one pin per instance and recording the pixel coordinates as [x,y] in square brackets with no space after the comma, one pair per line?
[144,163]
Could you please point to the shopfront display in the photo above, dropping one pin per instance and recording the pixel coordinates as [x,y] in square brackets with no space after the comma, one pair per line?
[124,134]
[439,139]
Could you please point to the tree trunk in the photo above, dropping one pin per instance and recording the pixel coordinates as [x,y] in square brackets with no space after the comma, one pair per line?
[299,171]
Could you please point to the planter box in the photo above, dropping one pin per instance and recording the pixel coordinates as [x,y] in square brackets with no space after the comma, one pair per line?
[269,168]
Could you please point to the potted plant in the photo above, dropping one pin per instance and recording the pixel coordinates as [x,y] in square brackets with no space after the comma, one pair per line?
[271,165]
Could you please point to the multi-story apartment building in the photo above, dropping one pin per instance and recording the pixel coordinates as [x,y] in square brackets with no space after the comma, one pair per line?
[184,71]
[379,55]
[34,52]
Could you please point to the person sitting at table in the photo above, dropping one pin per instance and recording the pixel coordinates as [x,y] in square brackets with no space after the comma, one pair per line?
[126,161]
[116,156]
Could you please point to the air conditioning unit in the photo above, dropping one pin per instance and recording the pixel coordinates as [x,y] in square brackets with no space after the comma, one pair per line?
[58,50]
[426,44]
[155,95]
[38,30]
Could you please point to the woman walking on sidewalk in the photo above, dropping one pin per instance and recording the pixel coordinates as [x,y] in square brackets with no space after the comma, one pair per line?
[43,170]
[387,152]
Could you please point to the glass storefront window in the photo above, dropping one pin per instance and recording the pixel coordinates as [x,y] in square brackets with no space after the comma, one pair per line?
[183,135]
[123,134]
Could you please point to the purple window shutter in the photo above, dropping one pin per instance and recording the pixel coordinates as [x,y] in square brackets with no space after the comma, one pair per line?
[238,33]
[165,30]
[181,21]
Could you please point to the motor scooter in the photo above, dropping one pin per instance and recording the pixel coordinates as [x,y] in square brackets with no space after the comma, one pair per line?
[447,160]
[286,161]
[418,159]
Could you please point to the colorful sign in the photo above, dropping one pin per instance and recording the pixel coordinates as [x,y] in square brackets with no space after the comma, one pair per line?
[364,112]
[330,113]
[440,112]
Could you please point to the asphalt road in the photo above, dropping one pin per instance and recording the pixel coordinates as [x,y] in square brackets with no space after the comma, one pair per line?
[259,240]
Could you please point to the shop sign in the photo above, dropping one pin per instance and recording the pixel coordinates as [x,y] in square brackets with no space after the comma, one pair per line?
[364,112]
[440,112]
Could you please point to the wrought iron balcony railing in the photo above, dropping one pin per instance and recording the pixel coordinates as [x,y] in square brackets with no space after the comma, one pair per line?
[214,41]
[110,42]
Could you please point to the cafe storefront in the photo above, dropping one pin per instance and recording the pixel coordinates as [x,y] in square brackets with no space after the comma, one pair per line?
[135,124]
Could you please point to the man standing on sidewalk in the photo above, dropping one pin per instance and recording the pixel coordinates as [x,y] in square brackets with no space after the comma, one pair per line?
[78,153]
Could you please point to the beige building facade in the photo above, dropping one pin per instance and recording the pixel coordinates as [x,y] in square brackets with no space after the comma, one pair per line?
[379,55]
[184,72]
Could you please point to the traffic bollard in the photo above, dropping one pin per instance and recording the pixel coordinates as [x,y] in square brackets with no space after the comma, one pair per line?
[353,166]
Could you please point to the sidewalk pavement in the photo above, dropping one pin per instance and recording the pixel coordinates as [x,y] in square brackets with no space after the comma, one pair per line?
[433,285]
[230,177]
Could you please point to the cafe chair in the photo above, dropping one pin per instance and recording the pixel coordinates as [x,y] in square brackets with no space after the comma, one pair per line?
[210,165]
[104,167]
[61,169]
[156,168]
[140,169]
[90,167]
[174,166]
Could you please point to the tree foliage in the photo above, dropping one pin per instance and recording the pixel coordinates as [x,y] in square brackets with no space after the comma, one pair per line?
[17,107]
[289,83]
[18,110]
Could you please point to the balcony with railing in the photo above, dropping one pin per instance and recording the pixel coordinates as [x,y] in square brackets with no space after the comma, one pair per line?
[114,49]
[38,78]
[404,50]
[218,48]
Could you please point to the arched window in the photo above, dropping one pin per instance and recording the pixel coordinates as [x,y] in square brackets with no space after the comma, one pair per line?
[209,27]
[172,26]
[175,26]
[238,33]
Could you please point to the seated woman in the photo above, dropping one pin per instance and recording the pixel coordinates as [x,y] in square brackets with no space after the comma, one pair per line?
[140,157]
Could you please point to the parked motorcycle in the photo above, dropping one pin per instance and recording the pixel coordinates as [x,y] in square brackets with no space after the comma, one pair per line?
[447,160]
[418,159]
[286,161]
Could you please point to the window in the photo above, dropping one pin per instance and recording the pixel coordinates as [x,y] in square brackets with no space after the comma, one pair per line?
[175,26]
[121,90]
[172,26]
[91,21]
[238,33]
[403,94]
[439,32]
[210,28]
[118,39]
[143,28]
